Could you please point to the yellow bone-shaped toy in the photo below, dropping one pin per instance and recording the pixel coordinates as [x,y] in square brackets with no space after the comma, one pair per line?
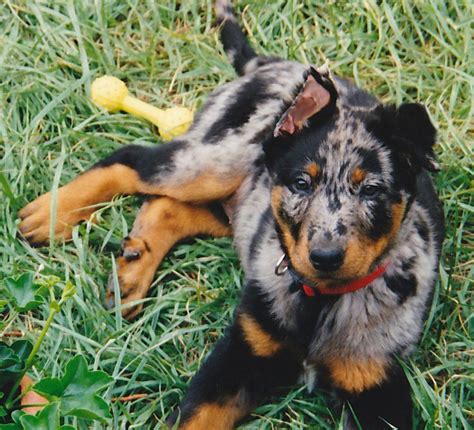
[112,94]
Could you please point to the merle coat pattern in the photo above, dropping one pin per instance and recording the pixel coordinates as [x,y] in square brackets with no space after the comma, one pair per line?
[339,197]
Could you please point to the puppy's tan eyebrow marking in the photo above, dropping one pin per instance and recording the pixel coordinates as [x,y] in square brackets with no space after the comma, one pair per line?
[358,175]
[312,169]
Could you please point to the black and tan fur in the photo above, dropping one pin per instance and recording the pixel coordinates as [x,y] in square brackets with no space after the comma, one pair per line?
[353,179]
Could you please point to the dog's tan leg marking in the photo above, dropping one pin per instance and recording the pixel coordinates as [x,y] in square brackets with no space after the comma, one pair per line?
[204,188]
[75,200]
[216,416]
[356,376]
[160,223]
[261,342]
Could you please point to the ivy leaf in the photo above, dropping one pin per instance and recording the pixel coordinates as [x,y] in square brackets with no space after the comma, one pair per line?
[22,348]
[12,360]
[24,293]
[10,363]
[47,419]
[77,390]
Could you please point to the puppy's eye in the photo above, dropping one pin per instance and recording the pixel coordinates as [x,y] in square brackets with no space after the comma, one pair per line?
[370,191]
[302,184]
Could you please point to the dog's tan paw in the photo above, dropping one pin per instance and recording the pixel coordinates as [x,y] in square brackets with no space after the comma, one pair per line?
[35,225]
[135,270]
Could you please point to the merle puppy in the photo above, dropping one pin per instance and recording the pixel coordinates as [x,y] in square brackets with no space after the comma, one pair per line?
[334,216]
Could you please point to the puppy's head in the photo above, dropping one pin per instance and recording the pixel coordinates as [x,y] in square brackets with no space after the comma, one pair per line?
[343,170]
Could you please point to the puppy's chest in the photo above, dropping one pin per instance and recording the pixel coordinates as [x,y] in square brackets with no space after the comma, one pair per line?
[354,324]
[382,319]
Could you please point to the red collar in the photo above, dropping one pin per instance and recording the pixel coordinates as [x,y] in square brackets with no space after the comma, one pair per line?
[350,287]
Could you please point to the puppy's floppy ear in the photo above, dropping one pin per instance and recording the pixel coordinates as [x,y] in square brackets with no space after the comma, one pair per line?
[409,131]
[317,94]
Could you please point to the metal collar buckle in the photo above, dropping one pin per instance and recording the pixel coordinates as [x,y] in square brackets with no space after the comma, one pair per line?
[281,266]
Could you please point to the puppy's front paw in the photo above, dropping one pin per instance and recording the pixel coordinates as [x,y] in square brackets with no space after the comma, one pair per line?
[35,218]
[135,270]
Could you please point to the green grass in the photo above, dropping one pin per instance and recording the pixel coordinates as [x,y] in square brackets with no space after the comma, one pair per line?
[169,52]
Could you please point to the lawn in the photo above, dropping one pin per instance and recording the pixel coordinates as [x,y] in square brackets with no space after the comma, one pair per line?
[168,52]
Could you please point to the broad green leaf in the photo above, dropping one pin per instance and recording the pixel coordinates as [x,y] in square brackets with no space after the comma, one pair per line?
[22,348]
[77,390]
[12,359]
[9,360]
[12,364]
[25,294]
[46,419]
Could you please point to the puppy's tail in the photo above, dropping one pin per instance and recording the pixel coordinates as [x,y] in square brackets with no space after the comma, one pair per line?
[235,43]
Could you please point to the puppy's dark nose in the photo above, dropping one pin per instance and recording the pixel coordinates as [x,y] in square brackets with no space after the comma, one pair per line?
[327,259]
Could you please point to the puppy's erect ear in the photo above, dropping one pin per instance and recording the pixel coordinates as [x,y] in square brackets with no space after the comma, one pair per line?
[415,125]
[318,93]
[408,129]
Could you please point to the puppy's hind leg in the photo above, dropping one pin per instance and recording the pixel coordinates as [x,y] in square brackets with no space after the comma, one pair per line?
[160,223]
[177,170]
